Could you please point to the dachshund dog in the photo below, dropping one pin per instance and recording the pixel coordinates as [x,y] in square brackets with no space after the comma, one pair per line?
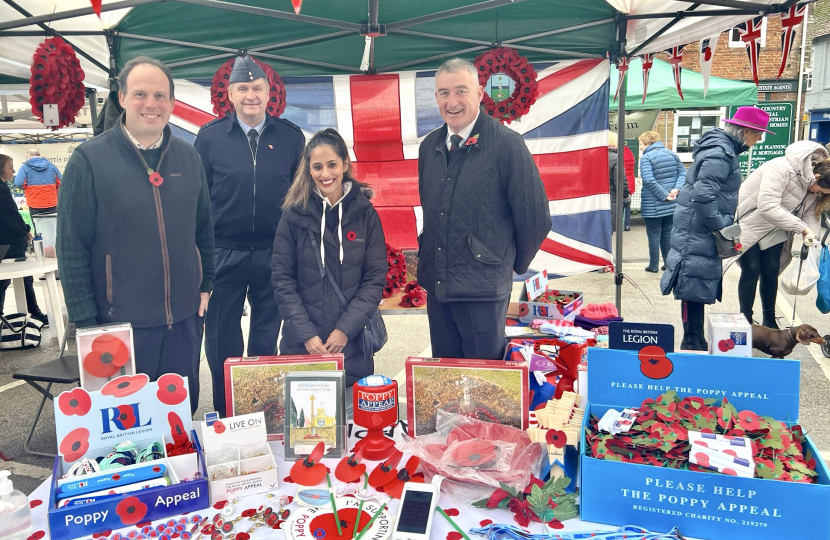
[780,343]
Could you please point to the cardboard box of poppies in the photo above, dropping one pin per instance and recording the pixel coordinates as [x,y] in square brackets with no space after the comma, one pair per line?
[709,444]
[126,454]
[489,390]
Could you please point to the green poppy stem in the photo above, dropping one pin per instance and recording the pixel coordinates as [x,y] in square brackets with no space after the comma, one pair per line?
[372,521]
[454,526]
[334,507]
[360,508]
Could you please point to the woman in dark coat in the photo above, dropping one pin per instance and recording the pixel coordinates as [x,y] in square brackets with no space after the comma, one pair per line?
[707,203]
[612,179]
[328,226]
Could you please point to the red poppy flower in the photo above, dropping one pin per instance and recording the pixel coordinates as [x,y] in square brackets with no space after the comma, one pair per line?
[309,471]
[242,536]
[227,527]
[485,522]
[748,420]
[125,386]
[171,390]
[177,430]
[249,512]
[556,437]
[34,503]
[218,427]
[74,402]
[37,535]
[131,510]
[451,511]
[107,356]
[351,235]
[454,535]
[75,444]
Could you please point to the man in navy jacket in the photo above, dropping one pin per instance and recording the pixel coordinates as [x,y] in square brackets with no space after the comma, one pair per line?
[250,158]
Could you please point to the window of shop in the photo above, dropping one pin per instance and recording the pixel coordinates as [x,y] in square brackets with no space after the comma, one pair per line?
[735,36]
[689,126]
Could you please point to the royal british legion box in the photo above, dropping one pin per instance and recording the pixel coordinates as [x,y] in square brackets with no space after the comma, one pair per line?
[704,505]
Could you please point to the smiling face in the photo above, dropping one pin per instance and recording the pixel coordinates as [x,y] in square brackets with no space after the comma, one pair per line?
[147,103]
[7,172]
[250,100]
[327,171]
[458,95]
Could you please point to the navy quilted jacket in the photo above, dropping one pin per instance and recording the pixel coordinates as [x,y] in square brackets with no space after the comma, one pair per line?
[307,300]
[706,203]
[661,172]
[483,223]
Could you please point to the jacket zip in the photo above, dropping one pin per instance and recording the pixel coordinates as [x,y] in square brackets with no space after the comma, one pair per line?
[165,255]
[253,155]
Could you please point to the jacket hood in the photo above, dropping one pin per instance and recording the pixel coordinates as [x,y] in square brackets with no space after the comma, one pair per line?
[718,138]
[801,155]
[39,163]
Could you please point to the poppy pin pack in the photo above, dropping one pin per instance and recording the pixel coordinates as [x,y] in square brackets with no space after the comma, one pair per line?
[488,390]
[238,458]
[654,471]
[126,454]
[729,334]
[254,384]
[105,352]
[553,304]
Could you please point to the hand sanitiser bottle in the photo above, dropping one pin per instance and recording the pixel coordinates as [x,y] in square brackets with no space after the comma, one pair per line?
[15,516]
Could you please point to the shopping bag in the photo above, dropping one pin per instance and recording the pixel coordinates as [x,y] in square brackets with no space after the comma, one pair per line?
[801,276]
[823,285]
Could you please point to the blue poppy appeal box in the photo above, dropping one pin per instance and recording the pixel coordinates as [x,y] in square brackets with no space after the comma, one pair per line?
[130,422]
[703,505]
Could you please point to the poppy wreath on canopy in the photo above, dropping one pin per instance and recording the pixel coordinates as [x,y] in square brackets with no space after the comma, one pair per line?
[57,78]
[508,61]
[222,105]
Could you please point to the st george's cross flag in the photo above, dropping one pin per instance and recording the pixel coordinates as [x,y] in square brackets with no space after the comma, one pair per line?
[383,119]
[707,54]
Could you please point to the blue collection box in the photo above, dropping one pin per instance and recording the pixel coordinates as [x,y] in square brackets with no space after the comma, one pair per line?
[712,506]
[88,424]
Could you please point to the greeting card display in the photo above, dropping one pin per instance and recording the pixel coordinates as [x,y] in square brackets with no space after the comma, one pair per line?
[316,413]
[126,454]
[105,352]
[254,384]
[238,458]
[651,482]
[488,390]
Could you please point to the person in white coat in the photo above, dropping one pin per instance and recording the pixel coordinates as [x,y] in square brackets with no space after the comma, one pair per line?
[776,201]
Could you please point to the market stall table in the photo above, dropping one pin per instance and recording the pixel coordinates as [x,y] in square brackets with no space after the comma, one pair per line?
[16,271]
[392,306]
[468,517]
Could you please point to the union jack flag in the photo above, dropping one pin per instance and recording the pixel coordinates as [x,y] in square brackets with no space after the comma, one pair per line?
[676,61]
[384,118]
[648,62]
[622,68]
[750,33]
[789,22]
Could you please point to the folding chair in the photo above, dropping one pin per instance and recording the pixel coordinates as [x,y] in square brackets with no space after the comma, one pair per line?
[64,370]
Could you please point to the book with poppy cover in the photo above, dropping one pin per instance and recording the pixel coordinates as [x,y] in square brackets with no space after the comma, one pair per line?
[488,390]
[316,404]
[257,383]
[104,353]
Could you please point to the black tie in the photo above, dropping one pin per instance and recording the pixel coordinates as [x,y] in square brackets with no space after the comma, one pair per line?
[253,135]
[454,141]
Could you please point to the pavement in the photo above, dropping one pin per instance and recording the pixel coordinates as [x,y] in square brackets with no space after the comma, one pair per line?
[409,336]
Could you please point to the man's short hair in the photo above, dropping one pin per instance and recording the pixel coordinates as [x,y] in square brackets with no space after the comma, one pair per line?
[454,65]
[137,61]
[33,152]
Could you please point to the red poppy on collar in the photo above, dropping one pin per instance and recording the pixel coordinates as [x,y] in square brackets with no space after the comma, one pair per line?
[471,140]
[351,235]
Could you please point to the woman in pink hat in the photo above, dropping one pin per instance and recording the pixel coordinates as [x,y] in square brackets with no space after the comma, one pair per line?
[707,203]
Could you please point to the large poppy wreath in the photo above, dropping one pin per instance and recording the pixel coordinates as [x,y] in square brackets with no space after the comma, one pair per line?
[222,105]
[508,61]
[57,78]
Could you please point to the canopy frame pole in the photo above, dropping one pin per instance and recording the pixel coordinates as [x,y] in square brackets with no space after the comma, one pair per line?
[735,4]
[263,48]
[12,4]
[72,13]
[679,17]
[618,261]
[710,13]
[272,13]
[92,98]
[441,15]
[36,33]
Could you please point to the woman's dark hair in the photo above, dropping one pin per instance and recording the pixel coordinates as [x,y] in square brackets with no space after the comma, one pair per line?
[3,159]
[303,184]
[822,168]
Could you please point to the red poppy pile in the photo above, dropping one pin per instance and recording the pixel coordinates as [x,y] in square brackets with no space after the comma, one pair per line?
[556,297]
[415,295]
[660,437]
[508,61]
[57,78]
[396,273]
[222,105]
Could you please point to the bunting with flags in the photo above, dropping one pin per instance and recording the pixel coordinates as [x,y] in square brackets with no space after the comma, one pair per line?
[648,62]
[790,20]
[750,33]
[707,54]
[622,68]
[676,61]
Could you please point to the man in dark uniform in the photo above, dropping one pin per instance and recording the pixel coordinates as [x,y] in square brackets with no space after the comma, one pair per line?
[250,159]
[485,216]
